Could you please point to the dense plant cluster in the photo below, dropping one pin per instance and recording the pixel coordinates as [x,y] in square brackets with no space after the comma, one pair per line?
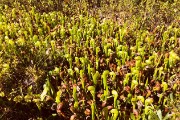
[99,60]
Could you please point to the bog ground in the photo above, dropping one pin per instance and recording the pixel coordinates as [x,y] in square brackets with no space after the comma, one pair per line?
[89,60]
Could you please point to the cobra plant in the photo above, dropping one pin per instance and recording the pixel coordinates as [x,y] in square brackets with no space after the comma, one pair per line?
[104,76]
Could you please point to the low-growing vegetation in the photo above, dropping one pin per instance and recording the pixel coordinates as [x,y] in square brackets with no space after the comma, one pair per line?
[89,60]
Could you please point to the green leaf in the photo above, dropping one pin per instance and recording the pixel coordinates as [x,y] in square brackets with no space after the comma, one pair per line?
[44,93]
[153,116]
[2,94]
[132,116]
[159,113]
[58,96]
[167,117]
